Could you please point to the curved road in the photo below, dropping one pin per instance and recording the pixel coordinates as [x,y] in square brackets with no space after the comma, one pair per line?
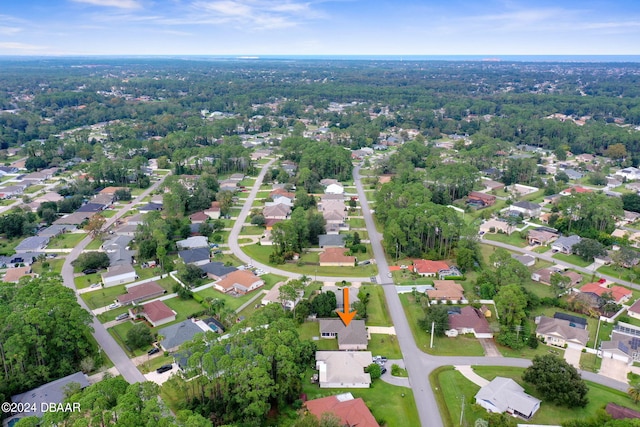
[110,347]
[418,364]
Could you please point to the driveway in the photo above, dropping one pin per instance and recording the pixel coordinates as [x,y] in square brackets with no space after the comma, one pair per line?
[572,356]
[163,377]
[397,381]
[489,346]
[615,369]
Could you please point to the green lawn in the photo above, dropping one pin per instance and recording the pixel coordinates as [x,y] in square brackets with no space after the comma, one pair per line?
[53,265]
[263,194]
[184,307]
[449,386]
[224,236]
[147,273]
[119,332]
[33,189]
[513,239]
[7,247]
[590,362]
[572,259]
[252,231]
[620,273]
[390,405]
[85,280]
[442,346]
[541,249]
[94,244]
[108,213]
[549,413]
[102,297]
[385,345]
[356,223]
[540,289]
[308,330]
[377,314]
[261,254]
[66,240]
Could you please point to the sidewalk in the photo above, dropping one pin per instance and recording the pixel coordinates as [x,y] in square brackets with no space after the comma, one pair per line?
[471,376]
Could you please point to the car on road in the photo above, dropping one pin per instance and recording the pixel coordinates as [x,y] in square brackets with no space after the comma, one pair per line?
[154,350]
[389,275]
[164,368]
[89,271]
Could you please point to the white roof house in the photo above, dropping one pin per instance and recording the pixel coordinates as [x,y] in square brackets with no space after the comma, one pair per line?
[505,395]
[343,369]
[334,189]
[193,242]
[119,274]
[629,173]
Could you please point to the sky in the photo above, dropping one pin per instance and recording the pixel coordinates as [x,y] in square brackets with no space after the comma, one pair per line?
[319,27]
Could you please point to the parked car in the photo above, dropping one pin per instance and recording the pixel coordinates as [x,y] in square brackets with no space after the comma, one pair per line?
[164,368]
[89,271]
[122,316]
[383,371]
[95,285]
[154,350]
[114,305]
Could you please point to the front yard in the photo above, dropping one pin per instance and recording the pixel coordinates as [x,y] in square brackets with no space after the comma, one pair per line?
[572,259]
[261,254]
[66,240]
[442,346]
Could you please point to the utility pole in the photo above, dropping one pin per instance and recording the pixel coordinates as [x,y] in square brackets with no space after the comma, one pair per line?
[462,410]
[595,343]
[518,329]
[433,327]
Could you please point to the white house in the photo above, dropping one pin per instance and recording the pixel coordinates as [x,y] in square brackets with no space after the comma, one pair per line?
[630,173]
[334,189]
[343,369]
[119,274]
[505,395]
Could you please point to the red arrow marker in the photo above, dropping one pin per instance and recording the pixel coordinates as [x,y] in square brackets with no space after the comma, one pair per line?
[345,315]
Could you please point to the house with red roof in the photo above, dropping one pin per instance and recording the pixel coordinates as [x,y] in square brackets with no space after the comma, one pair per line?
[574,190]
[335,257]
[428,268]
[156,312]
[618,293]
[350,411]
[141,292]
[198,217]
[469,320]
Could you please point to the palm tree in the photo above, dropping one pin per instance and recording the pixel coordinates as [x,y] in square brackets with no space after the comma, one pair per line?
[634,392]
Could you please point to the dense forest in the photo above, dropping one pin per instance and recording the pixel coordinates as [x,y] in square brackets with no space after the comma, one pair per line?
[497,103]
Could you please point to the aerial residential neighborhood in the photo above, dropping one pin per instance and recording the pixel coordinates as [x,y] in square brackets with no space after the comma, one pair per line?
[319,258]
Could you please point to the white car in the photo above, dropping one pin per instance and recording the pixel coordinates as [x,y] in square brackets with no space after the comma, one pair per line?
[114,305]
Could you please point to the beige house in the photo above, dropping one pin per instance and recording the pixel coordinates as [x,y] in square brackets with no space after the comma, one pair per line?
[343,369]
[240,281]
[495,226]
[558,332]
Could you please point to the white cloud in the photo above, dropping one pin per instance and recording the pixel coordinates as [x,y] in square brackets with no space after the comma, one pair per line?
[121,4]
[8,31]
[20,46]
[254,14]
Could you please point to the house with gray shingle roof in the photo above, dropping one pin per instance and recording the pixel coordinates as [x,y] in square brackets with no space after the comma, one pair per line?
[331,240]
[565,244]
[32,244]
[177,334]
[352,337]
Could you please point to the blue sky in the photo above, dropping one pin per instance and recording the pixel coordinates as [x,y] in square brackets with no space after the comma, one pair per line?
[319,27]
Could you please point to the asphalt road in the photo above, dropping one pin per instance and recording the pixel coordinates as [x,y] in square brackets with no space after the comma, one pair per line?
[110,347]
